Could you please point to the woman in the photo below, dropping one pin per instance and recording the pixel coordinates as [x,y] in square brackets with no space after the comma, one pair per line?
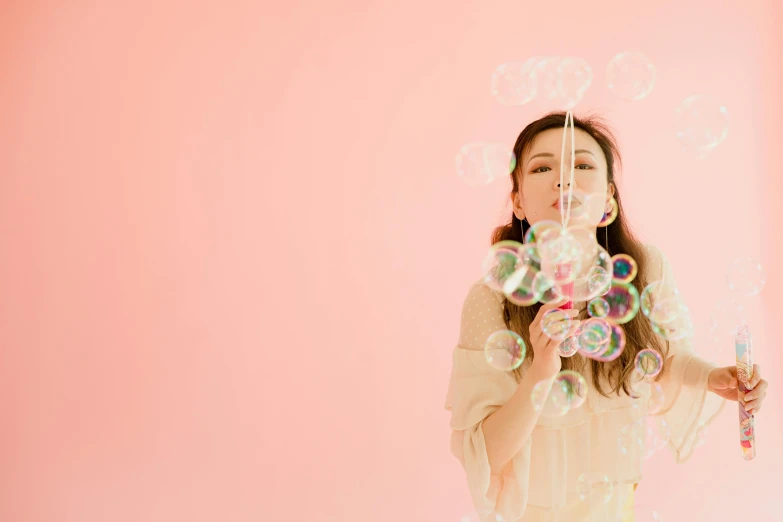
[584,465]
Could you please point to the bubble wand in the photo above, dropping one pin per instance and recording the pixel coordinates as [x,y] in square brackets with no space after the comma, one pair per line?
[743,344]
[563,271]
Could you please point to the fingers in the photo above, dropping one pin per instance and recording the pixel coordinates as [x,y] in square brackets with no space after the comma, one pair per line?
[754,405]
[555,344]
[545,308]
[759,390]
[555,327]
[753,399]
[756,377]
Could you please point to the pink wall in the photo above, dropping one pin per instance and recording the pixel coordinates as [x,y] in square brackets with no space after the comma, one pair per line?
[234,247]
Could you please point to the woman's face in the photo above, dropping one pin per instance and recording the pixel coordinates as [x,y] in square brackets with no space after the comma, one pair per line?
[538,197]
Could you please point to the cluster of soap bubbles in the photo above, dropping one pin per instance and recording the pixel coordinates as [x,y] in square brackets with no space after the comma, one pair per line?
[556,261]
[560,80]
[701,120]
[563,80]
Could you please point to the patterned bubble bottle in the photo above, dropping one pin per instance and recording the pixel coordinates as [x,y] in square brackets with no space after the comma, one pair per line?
[567,290]
[743,345]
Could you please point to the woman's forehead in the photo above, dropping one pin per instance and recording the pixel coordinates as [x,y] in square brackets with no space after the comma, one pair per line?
[551,140]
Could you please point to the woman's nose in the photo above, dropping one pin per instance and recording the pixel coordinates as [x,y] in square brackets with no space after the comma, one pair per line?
[568,184]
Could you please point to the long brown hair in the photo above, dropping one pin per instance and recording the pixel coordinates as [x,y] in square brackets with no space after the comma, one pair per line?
[616,238]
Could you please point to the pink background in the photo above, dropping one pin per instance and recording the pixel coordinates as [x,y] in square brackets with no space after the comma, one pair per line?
[235,249]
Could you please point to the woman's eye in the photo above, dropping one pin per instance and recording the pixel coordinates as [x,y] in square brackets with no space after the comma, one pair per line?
[583,166]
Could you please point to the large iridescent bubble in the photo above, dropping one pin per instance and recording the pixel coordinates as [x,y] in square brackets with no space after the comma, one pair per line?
[502,260]
[505,350]
[555,398]
[526,286]
[623,299]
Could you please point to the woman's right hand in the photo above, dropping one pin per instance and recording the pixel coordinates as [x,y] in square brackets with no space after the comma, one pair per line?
[546,354]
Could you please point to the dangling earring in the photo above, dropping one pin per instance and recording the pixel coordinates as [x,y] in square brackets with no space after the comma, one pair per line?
[610,212]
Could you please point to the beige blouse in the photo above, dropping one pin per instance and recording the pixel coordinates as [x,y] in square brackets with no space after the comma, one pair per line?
[542,482]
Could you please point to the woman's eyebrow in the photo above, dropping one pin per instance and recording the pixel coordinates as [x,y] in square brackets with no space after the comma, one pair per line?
[550,155]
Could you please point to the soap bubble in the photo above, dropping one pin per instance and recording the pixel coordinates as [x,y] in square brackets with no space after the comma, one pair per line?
[505,350]
[594,336]
[648,363]
[482,163]
[595,277]
[630,76]
[525,286]
[599,279]
[556,324]
[569,347]
[570,387]
[644,436]
[576,76]
[550,292]
[598,307]
[668,315]
[555,398]
[726,314]
[539,397]
[625,268]
[746,277]
[663,305]
[702,124]
[562,81]
[513,83]
[672,321]
[539,228]
[502,260]
[623,299]
[560,253]
[615,346]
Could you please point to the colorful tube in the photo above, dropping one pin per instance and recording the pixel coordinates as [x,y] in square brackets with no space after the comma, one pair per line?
[567,290]
[743,345]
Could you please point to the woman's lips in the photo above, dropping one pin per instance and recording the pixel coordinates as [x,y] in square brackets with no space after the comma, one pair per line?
[574,204]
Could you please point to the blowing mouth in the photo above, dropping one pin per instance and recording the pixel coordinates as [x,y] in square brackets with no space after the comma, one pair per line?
[563,203]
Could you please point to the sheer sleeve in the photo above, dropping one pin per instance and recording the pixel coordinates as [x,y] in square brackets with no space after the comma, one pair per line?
[476,390]
[688,407]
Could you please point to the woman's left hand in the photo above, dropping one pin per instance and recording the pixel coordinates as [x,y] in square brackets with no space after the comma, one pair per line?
[723,382]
